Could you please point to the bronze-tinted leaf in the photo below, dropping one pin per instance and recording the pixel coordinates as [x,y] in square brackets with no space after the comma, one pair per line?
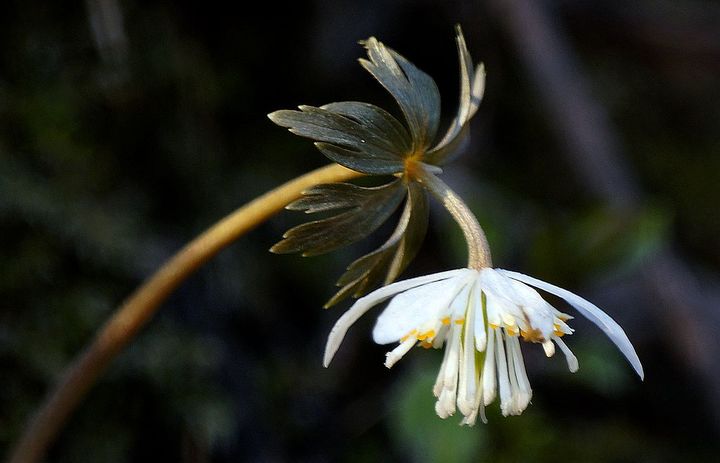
[386,263]
[415,92]
[360,210]
[375,119]
[360,162]
[358,136]
[472,86]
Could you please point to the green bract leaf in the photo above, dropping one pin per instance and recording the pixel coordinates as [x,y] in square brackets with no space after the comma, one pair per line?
[415,92]
[472,86]
[375,119]
[387,262]
[362,211]
[359,136]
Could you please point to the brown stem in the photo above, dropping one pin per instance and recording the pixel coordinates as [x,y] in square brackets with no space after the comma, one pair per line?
[479,256]
[127,320]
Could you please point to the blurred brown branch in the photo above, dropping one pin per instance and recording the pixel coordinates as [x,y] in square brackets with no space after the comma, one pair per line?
[139,308]
[594,151]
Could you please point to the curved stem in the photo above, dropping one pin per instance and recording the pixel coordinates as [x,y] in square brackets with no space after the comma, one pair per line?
[478,247]
[135,312]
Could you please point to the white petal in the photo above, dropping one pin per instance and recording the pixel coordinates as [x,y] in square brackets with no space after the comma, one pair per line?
[396,354]
[416,307]
[445,405]
[592,313]
[572,361]
[478,408]
[492,281]
[441,336]
[362,305]
[502,372]
[480,327]
[467,390]
[500,294]
[563,327]
[548,347]
[513,406]
[488,374]
[528,303]
[482,414]
[440,381]
[450,381]
[499,307]
[537,309]
[469,420]
[523,381]
[459,305]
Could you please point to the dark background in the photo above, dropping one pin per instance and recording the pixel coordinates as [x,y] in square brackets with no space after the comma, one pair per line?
[127,128]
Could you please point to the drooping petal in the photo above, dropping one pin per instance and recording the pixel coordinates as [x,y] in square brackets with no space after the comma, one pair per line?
[498,308]
[489,380]
[440,381]
[413,308]
[459,305]
[499,287]
[538,310]
[396,354]
[445,405]
[362,305]
[524,392]
[523,300]
[591,312]
[549,348]
[480,327]
[467,387]
[513,407]
[502,372]
[572,361]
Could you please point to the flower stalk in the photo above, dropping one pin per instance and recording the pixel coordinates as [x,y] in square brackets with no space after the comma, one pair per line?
[479,256]
[139,308]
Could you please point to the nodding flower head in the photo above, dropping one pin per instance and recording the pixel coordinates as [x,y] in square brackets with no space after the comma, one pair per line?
[480,317]
[479,314]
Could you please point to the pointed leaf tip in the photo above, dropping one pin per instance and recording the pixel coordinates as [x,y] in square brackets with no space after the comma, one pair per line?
[414,91]
[472,83]
[362,138]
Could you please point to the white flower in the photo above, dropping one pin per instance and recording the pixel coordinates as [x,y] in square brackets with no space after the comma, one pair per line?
[480,316]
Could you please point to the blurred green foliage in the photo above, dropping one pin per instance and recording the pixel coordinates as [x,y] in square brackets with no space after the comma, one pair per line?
[422,436]
[113,156]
